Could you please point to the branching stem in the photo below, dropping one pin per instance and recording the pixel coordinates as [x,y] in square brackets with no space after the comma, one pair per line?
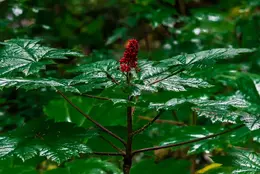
[156,81]
[90,119]
[107,153]
[96,97]
[177,123]
[113,145]
[187,142]
[128,157]
[111,78]
[148,124]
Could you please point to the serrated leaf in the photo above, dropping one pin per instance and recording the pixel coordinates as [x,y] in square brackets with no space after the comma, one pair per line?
[227,111]
[99,66]
[246,162]
[251,121]
[28,56]
[202,102]
[193,132]
[30,84]
[203,58]
[156,77]
[98,75]
[148,69]
[176,83]
[55,141]
[87,166]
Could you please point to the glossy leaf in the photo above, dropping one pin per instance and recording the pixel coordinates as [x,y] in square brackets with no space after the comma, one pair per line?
[246,162]
[203,58]
[229,110]
[192,132]
[108,113]
[61,111]
[249,89]
[176,83]
[28,56]
[31,84]
[55,141]
[98,75]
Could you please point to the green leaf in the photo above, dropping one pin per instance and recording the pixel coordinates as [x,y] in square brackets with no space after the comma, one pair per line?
[202,102]
[98,75]
[104,66]
[176,83]
[88,166]
[251,121]
[148,69]
[31,84]
[156,77]
[181,134]
[203,58]
[28,56]
[108,113]
[61,111]
[55,141]
[246,162]
[139,141]
[230,110]
[248,88]
[256,136]
[18,169]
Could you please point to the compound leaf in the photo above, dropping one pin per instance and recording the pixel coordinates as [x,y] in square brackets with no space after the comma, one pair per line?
[55,141]
[28,56]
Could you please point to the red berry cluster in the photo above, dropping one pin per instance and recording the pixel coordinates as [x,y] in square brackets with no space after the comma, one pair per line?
[129,60]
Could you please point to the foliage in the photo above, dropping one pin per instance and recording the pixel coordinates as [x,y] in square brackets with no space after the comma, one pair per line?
[40,138]
[189,105]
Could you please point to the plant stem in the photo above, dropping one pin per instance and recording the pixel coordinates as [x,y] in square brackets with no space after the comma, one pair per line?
[193,122]
[96,97]
[156,81]
[128,157]
[187,142]
[90,119]
[193,165]
[174,114]
[181,7]
[111,78]
[107,153]
[113,145]
[148,124]
[163,121]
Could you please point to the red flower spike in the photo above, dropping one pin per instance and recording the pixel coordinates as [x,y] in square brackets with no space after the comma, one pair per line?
[125,68]
[129,60]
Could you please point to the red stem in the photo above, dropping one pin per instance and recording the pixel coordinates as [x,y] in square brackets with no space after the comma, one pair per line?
[186,142]
[90,119]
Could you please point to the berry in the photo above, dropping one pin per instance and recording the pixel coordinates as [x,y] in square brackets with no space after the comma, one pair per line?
[125,68]
[129,60]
